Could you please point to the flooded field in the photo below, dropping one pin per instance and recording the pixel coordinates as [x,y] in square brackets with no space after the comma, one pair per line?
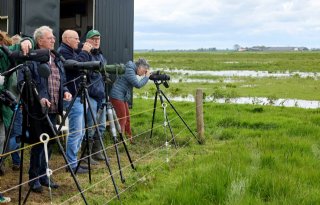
[239,76]
[244,73]
[307,104]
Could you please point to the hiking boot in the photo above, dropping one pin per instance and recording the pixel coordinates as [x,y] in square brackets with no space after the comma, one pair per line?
[4,199]
[45,182]
[81,170]
[16,167]
[35,186]
[98,149]
[85,158]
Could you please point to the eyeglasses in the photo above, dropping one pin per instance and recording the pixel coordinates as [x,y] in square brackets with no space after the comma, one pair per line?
[76,38]
[95,39]
[50,38]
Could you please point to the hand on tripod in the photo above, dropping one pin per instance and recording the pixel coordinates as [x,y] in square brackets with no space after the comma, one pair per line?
[67,96]
[45,103]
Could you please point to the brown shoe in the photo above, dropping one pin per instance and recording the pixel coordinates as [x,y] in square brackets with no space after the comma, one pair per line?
[131,140]
[15,167]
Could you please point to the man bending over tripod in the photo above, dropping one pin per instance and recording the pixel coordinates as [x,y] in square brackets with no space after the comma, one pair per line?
[51,94]
[120,92]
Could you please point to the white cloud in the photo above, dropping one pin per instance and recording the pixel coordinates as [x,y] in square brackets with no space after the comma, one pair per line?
[218,23]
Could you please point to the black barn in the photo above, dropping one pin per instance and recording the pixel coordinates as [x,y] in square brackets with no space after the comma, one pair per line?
[113,18]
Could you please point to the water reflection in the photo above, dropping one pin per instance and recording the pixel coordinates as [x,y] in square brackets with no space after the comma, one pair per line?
[308,104]
[188,80]
[244,73]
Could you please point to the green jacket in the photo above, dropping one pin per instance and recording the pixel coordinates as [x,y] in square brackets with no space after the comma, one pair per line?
[10,83]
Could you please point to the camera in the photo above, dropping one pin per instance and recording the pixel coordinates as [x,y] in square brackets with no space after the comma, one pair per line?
[8,99]
[82,66]
[159,78]
[94,66]
[113,69]
[39,55]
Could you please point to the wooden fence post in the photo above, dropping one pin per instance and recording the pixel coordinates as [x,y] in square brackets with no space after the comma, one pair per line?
[199,113]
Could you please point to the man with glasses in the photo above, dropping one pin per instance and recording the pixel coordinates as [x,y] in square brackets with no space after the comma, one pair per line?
[51,92]
[97,97]
[68,47]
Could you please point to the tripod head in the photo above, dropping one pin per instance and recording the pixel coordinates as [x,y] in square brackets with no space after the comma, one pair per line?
[160,78]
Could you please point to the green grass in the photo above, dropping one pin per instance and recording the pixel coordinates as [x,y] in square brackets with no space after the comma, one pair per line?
[268,61]
[265,157]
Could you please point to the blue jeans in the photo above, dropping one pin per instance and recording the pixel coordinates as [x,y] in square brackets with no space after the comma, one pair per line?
[76,130]
[14,141]
[101,122]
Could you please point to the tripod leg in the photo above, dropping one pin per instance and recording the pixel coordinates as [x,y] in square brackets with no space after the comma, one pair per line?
[20,174]
[54,130]
[154,112]
[118,127]
[167,119]
[171,132]
[87,147]
[102,145]
[7,139]
[180,116]
[115,140]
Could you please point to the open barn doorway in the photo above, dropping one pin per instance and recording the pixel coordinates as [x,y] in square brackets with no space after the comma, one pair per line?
[76,15]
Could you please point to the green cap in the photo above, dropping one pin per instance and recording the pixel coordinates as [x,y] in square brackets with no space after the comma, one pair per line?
[92,33]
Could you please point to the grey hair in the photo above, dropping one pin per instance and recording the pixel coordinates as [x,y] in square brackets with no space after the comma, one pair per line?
[142,62]
[39,32]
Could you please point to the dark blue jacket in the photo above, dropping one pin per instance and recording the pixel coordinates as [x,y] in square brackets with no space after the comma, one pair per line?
[41,83]
[68,53]
[97,87]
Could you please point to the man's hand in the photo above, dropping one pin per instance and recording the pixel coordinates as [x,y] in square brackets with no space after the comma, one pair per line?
[87,47]
[45,102]
[148,73]
[26,45]
[67,96]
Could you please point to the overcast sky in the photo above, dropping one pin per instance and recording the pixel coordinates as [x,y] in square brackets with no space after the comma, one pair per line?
[192,24]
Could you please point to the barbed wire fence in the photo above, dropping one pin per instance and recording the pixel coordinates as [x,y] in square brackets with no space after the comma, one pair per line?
[154,151]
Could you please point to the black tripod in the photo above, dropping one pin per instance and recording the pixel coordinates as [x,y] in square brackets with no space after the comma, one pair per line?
[8,134]
[30,94]
[114,128]
[160,93]
[83,93]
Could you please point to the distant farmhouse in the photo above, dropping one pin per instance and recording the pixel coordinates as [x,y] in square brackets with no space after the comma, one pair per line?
[276,48]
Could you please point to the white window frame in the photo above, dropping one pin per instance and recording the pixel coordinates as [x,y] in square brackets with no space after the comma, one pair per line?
[7,18]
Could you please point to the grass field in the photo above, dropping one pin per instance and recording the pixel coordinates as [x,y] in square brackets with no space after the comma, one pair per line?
[252,155]
[268,61]
[295,87]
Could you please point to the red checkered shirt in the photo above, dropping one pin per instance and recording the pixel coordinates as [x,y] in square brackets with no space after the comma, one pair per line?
[53,85]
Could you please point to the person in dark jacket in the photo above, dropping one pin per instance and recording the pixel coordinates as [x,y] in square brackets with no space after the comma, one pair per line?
[51,92]
[120,93]
[70,42]
[6,113]
[97,95]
